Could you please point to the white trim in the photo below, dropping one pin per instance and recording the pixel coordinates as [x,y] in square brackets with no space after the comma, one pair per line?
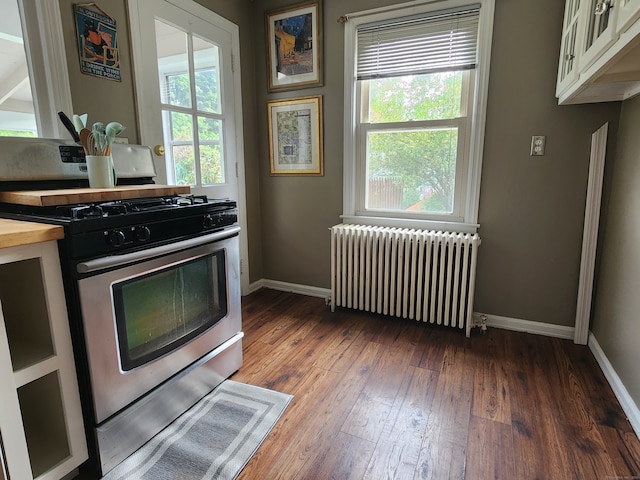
[46,57]
[629,407]
[590,233]
[291,287]
[519,325]
[478,121]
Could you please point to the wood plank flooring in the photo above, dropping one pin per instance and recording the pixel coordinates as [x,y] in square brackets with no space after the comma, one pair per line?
[377,397]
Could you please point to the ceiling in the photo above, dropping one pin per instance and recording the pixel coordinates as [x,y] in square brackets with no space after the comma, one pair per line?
[16,104]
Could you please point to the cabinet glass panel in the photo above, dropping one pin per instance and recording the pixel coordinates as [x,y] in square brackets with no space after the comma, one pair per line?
[24,308]
[44,423]
[599,15]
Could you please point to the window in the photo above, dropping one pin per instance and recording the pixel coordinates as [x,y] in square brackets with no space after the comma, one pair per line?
[192,113]
[34,82]
[416,83]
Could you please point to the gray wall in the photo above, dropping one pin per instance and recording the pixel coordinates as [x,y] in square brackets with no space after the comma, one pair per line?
[532,208]
[617,301]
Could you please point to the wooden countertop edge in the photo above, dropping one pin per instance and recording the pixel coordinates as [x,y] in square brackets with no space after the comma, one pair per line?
[45,198]
[14,233]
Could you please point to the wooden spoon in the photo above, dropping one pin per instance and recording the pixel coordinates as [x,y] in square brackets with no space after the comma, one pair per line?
[85,133]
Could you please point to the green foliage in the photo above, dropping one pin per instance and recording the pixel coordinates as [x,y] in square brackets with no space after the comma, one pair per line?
[422,157]
[16,133]
[209,129]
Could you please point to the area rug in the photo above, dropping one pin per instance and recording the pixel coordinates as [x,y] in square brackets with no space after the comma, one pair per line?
[214,439]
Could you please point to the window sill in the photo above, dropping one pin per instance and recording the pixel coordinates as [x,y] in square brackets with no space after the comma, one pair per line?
[412,223]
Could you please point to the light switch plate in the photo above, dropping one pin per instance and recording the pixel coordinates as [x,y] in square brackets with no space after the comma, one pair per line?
[537,145]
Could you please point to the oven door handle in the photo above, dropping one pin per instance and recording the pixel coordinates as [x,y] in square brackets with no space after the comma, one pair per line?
[119,260]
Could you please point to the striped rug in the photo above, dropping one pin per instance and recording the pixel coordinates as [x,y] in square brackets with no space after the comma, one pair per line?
[214,439]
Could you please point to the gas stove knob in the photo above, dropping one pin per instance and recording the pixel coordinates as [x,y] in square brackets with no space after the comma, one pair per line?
[116,238]
[208,221]
[143,233]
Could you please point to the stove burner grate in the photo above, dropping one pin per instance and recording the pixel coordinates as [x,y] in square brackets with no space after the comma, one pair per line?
[124,207]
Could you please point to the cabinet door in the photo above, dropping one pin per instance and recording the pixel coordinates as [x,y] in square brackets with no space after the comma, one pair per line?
[571,37]
[628,12]
[600,29]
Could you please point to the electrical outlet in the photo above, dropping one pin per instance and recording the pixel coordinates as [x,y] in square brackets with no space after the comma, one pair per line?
[537,145]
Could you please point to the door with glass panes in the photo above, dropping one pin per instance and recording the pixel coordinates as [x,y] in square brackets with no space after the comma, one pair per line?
[185,79]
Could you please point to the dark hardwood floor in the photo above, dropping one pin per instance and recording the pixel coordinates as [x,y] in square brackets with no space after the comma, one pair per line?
[378,397]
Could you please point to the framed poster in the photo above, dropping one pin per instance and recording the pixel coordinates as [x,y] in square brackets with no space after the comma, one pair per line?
[295,136]
[294,46]
[97,45]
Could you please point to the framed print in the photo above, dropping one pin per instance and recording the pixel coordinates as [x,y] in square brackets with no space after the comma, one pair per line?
[295,136]
[294,46]
[96,36]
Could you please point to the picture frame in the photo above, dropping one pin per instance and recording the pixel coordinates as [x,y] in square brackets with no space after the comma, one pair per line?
[294,46]
[295,136]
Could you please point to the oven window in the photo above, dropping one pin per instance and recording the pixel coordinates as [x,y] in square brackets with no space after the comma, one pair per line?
[160,311]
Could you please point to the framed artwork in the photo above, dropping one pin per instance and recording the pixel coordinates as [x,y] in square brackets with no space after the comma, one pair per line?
[294,46]
[295,136]
[96,34]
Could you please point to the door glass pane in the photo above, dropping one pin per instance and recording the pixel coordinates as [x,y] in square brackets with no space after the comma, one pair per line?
[211,164]
[412,170]
[181,149]
[158,312]
[17,117]
[206,60]
[173,65]
[189,69]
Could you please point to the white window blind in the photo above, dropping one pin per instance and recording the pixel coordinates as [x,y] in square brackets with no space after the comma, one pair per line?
[434,42]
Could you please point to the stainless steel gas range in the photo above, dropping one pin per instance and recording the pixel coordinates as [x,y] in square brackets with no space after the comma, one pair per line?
[152,288]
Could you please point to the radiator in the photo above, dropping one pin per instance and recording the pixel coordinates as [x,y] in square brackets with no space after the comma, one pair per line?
[422,275]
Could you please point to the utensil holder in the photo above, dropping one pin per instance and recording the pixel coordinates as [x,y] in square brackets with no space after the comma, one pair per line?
[102,173]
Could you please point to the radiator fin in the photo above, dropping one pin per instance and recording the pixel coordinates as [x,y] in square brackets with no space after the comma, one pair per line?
[423,275]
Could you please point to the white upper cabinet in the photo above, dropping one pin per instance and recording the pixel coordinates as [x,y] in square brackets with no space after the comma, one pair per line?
[571,38]
[628,12]
[600,29]
[599,52]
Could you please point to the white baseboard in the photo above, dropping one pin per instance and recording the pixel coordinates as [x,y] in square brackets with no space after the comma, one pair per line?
[628,405]
[518,325]
[290,287]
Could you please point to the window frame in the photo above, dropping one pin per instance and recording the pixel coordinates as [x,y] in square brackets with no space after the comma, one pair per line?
[464,217]
[47,64]
[461,123]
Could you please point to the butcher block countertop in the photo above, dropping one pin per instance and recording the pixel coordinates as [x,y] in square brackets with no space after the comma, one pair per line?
[46,198]
[15,232]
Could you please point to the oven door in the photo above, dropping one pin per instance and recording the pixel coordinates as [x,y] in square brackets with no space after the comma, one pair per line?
[148,315]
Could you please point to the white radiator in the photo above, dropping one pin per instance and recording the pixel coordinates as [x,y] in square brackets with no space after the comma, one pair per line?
[417,274]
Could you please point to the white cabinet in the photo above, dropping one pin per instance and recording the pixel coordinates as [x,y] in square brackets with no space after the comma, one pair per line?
[40,416]
[599,51]
[571,37]
[628,12]
[600,28]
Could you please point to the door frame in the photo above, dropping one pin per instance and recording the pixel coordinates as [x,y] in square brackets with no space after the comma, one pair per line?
[209,16]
